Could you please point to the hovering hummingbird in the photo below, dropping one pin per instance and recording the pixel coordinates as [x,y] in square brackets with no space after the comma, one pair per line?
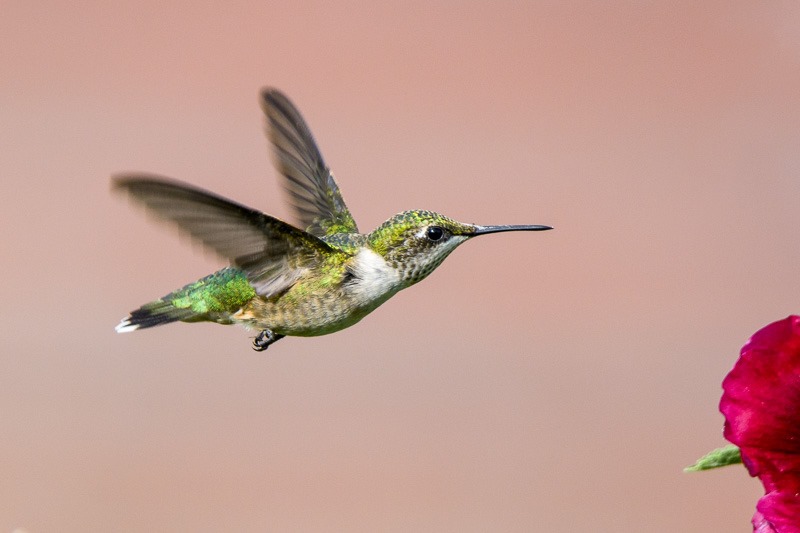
[284,280]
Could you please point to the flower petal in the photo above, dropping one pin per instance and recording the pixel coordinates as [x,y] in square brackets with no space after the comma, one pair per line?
[761,404]
[760,524]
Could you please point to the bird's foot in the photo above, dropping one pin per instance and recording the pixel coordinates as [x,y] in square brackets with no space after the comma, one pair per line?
[264,339]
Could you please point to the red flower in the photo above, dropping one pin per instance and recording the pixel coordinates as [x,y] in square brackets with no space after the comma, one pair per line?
[761,404]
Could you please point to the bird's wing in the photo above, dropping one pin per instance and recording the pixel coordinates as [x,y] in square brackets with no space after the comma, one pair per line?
[315,196]
[272,254]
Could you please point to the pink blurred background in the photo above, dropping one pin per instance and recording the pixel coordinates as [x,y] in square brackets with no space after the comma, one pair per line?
[557,381]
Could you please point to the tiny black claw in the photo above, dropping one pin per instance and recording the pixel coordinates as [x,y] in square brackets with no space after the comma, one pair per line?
[264,339]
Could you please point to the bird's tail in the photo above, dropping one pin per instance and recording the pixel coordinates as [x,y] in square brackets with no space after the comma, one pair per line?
[212,298]
[156,313]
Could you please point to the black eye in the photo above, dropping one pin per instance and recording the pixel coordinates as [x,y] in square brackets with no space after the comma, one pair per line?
[434,233]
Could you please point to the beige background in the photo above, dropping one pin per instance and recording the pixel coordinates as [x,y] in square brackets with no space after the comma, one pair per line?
[536,382]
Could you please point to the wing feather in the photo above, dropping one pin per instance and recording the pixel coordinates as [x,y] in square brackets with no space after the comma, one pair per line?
[318,203]
[272,254]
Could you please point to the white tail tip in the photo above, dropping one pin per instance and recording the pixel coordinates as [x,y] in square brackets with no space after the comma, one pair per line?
[125,326]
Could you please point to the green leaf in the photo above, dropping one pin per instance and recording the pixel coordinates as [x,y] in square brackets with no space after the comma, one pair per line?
[727,455]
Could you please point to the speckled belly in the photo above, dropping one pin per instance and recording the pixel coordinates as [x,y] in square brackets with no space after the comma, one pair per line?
[308,316]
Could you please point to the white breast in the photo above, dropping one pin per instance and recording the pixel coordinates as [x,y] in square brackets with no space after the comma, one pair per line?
[374,280]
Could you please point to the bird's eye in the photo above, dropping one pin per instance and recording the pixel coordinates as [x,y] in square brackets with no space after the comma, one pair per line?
[434,233]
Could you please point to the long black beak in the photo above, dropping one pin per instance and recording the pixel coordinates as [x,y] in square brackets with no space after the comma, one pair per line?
[483,230]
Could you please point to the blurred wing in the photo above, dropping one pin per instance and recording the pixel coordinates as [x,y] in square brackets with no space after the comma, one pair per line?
[272,254]
[315,196]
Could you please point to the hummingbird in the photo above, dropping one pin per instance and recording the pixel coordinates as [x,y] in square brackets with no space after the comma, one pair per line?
[313,278]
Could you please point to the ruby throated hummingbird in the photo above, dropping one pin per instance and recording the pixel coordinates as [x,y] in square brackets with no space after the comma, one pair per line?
[284,280]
